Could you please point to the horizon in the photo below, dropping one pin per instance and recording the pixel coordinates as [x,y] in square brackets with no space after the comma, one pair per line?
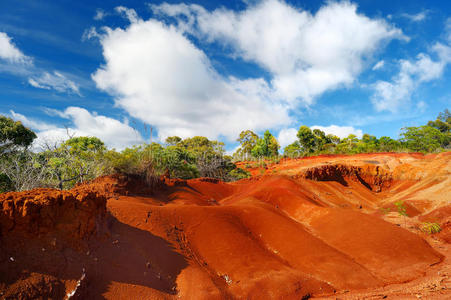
[214,68]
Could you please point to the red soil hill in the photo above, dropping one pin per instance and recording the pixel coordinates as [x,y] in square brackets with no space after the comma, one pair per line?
[309,227]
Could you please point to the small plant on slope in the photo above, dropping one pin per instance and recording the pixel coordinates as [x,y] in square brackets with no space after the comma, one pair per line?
[430,227]
[402,211]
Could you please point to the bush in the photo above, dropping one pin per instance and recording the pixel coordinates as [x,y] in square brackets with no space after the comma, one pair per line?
[430,228]
[237,174]
[6,184]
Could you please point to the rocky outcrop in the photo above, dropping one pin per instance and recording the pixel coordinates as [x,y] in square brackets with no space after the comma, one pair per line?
[71,216]
[371,176]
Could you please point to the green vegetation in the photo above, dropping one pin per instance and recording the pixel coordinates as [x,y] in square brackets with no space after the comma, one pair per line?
[79,159]
[402,210]
[433,137]
[266,146]
[14,135]
[83,158]
[430,227]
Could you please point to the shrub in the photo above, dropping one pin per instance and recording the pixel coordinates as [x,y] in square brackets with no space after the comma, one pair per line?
[238,174]
[430,227]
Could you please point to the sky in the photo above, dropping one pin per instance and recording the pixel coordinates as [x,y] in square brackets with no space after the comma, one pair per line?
[116,69]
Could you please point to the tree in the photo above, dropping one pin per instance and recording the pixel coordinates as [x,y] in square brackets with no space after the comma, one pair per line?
[306,138]
[13,134]
[293,150]
[423,138]
[248,140]
[273,144]
[348,144]
[21,170]
[388,144]
[76,160]
[443,124]
[368,143]
[15,159]
[266,146]
[173,140]
[321,139]
[333,139]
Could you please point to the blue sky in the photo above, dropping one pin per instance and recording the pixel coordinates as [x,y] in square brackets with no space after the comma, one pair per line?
[114,68]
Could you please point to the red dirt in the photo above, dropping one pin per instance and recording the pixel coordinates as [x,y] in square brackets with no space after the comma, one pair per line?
[321,227]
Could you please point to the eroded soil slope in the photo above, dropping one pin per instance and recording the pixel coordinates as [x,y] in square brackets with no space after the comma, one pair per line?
[316,227]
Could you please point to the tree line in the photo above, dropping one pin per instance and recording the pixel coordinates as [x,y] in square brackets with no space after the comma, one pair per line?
[433,137]
[78,159]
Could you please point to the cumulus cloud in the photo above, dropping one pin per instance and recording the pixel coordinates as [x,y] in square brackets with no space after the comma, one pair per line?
[287,136]
[9,51]
[55,81]
[391,95]
[159,76]
[306,54]
[31,123]
[114,133]
[340,131]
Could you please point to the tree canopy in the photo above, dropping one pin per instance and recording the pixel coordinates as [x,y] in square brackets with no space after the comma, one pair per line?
[14,134]
[266,146]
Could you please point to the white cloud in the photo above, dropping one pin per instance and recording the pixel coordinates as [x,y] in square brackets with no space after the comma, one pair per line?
[340,131]
[287,136]
[9,51]
[421,16]
[113,133]
[379,65]
[128,13]
[55,81]
[306,54]
[33,124]
[21,65]
[100,14]
[158,76]
[391,95]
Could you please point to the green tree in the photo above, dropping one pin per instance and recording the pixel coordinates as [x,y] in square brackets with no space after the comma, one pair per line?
[173,140]
[387,144]
[321,139]
[13,134]
[368,143]
[293,150]
[248,140]
[76,160]
[423,138]
[266,146]
[443,122]
[333,139]
[306,139]
[14,167]
[348,144]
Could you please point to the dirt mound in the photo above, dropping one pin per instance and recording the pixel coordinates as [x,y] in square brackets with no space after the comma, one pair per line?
[309,227]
